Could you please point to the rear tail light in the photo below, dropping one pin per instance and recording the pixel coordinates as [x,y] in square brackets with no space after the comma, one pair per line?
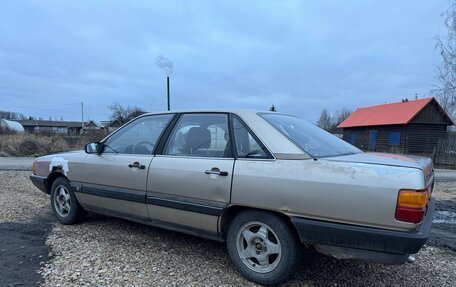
[34,168]
[412,205]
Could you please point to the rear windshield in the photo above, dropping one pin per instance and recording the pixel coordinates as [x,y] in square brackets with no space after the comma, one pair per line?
[313,140]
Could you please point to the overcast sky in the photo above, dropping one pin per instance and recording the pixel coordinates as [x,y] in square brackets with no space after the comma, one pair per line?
[301,56]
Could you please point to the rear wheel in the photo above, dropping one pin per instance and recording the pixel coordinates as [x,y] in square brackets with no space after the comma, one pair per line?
[64,203]
[263,247]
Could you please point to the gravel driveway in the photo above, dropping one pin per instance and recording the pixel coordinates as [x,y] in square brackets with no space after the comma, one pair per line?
[106,251]
[25,223]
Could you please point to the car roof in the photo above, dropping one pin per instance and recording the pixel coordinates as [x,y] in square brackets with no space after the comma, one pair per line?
[234,111]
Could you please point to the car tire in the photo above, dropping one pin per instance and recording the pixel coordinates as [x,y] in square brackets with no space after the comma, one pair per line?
[65,206]
[263,247]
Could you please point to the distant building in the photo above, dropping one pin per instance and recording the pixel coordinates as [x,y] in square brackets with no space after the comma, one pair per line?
[109,126]
[11,125]
[90,126]
[55,127]
[413,127]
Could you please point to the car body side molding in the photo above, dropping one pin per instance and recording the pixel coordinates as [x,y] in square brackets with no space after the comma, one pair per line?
[209,208]
[111,192]
[198,206]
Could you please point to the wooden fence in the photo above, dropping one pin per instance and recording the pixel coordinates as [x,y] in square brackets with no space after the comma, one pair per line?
[445,152]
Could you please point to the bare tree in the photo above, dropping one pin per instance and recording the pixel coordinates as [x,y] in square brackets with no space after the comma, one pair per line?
[330,122]
[340,116]
[122,114]
[12,116]
[446,72]
[325,120]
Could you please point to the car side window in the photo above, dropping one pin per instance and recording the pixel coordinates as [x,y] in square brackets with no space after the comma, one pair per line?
[247,146]
[200,135]
[138,137]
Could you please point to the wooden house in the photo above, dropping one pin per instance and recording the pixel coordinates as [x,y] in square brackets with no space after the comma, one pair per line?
[412,127]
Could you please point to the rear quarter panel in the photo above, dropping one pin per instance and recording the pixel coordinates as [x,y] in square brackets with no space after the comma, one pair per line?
[352,193]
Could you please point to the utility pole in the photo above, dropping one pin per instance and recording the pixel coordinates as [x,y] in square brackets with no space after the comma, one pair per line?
[82,115]
[167,87]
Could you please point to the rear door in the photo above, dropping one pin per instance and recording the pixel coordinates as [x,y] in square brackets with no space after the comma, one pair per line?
[189,183]
[115,181]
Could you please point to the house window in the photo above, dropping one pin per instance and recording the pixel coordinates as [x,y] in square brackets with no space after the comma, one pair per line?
[395,138]
[352,138]
[62,130]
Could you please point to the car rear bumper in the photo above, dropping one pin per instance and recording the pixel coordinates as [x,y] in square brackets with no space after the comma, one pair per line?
[39,181]
[364,238]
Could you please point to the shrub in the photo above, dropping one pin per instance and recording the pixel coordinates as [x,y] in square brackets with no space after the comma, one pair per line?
[23,144]
[29,147]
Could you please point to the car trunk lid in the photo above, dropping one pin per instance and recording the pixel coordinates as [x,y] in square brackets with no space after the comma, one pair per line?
[419,162]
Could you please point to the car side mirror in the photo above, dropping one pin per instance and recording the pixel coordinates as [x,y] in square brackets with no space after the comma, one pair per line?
[96,147]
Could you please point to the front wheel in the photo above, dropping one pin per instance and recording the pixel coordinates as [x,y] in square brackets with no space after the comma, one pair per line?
[263,247]
[64,204]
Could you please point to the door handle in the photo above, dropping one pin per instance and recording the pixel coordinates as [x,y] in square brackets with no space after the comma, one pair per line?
[136,165]
[216,171]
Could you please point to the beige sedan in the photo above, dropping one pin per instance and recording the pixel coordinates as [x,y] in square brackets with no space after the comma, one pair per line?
[264,183]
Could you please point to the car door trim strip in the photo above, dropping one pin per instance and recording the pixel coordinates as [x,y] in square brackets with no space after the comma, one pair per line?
[187,205]
[198,206]
[111,192]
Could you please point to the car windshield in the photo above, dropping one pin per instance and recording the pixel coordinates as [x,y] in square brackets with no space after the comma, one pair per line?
[313,140]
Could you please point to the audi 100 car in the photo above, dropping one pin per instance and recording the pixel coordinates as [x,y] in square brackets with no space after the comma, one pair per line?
[263,182]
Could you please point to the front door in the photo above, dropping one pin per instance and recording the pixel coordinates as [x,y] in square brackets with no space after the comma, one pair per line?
[189,183]
[372,140]
[114,181]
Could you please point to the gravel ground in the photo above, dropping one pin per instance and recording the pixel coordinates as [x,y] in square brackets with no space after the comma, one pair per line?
[445,190]
[105,251]
[25,222]
[19,198]
[111,252]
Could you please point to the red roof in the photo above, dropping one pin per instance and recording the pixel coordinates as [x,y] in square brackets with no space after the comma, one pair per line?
[400,113]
